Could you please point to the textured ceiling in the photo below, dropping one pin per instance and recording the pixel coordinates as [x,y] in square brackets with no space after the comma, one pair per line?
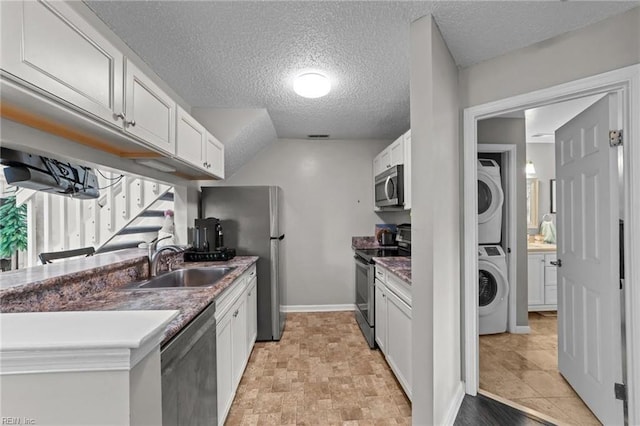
[241,54]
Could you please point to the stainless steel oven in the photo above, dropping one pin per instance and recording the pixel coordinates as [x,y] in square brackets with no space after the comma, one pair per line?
[365,290]
[389,187]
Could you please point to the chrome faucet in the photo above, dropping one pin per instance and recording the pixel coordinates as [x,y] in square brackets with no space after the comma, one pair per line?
[154,254]
[153,264]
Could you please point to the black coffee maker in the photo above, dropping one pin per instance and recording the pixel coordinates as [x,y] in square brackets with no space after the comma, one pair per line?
[208,235]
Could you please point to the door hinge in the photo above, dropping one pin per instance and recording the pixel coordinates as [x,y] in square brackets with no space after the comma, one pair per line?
[615,138]
[620,391]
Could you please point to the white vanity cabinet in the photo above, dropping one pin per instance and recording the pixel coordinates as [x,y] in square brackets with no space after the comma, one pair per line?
[393,324]
[397,153]
[542,282]
[235,324]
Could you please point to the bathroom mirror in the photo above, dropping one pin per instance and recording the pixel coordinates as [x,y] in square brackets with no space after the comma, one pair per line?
[532,203]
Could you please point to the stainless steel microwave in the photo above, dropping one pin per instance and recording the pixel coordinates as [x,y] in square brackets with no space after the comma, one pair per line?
[389,187]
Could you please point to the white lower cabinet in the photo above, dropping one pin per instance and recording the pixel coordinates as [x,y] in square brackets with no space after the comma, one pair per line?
[381,316]
[399,340]
[252,312]
[236,322]
[542,282]
[224,368]
[393,325]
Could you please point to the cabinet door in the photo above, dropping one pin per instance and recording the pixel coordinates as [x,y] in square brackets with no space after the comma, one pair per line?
[224,365]
[239,339]
[550,284]
[535,281]
[407,170]
[190,139]
[385,159]
[399,340]
[252,313]
[396,152]
[214,156]
[378,166]
[150,114]
[381,316]
[50,46]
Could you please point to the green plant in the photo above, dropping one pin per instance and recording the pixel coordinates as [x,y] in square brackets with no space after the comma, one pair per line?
[13,227]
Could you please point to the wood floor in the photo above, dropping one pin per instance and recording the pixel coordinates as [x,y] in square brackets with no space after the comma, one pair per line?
[482,411]
[321,373]
[523,368]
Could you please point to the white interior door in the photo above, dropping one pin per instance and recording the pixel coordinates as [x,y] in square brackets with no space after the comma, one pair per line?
[589,328]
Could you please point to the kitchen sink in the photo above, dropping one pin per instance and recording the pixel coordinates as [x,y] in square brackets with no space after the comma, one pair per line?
[185,278]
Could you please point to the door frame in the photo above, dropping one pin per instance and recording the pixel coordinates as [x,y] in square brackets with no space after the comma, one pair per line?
[508,169]
[625,81]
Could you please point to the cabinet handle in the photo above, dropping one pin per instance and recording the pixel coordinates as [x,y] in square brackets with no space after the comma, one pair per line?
[249,293]
[120,116]
[557,263]
[131,123]
[235,314]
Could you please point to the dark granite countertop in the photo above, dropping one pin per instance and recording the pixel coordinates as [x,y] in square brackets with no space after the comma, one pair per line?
[364,243]
[399,266]
[53,294]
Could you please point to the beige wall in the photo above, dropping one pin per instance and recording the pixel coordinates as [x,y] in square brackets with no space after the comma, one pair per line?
[604,46]
[435,225]
[512,131]
[328,197]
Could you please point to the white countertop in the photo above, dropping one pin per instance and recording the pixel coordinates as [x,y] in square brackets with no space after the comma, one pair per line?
[78,341]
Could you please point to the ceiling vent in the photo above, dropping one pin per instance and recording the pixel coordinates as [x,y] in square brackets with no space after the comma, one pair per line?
[318,136]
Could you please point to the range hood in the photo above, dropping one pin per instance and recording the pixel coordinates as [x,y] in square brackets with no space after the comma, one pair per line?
[48,175]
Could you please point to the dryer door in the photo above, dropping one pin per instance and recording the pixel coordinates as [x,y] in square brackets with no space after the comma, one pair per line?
[490,197]
[493,287]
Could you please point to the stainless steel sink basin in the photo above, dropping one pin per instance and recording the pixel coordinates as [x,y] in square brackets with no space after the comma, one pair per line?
[186,278]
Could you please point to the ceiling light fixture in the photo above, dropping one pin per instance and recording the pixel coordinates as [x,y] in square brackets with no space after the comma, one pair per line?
[311,85]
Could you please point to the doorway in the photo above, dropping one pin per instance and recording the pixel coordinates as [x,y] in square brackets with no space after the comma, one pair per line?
[623,82]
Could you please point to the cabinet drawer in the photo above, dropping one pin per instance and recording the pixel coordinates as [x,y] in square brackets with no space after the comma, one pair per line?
[548,258]
[550,295]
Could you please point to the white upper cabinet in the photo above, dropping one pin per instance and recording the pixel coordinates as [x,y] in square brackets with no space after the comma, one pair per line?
[198,147]
[214,156]
[67,71]
[190,139]
[396,152]
[399,152]
[149,112]
[51,47]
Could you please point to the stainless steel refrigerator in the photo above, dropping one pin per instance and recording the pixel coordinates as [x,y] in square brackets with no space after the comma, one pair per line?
[251,222]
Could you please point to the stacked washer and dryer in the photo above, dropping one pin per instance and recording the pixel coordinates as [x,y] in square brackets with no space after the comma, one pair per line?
[492,263]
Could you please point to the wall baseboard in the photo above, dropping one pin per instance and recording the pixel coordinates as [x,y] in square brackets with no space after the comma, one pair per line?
[318,308]
[522,329]
[456,402]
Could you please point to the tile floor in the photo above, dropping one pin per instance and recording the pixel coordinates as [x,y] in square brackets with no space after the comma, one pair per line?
[523,368]
[322,372]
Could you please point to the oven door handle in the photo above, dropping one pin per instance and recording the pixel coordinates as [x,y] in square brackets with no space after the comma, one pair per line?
[361,262]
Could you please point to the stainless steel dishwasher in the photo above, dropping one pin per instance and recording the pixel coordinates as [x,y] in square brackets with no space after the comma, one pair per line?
[189,389]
